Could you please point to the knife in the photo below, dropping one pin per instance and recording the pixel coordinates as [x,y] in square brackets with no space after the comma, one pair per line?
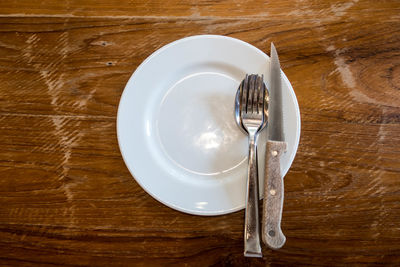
[273,186]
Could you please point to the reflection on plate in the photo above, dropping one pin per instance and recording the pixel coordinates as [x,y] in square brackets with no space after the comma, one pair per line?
[176,128]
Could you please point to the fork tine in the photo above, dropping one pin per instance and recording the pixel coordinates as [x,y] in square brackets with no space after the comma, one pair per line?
[240,96]
[250,100]
[256,94]
[261,94]
[243,95]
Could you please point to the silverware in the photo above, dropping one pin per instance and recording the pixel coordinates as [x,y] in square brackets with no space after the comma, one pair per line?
[250,116]
[237,108]
[276,146]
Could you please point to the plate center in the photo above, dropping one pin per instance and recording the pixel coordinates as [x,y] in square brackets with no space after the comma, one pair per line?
[196,125]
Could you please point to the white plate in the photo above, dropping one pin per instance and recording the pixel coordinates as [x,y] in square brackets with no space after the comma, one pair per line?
[176,127]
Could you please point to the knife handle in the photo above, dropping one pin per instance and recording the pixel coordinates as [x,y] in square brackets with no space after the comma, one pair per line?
[273,196]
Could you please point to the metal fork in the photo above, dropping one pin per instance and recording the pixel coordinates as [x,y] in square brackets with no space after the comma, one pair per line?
[252,118]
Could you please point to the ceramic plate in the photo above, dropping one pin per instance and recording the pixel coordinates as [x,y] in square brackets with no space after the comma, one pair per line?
[176,127]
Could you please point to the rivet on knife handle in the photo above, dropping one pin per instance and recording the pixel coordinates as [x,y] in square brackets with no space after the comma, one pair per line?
[273,196]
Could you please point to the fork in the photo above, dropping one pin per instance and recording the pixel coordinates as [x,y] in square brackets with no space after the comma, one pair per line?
[251,101]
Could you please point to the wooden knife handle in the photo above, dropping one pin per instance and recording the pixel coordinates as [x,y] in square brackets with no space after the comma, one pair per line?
[273,196]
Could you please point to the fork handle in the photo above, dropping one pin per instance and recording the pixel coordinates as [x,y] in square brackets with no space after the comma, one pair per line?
[273,196]
[252,246]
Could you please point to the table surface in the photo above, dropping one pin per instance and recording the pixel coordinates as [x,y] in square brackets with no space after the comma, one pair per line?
[68,199]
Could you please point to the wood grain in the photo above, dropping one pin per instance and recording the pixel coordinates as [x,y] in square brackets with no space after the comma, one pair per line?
[66,197]
[205,9]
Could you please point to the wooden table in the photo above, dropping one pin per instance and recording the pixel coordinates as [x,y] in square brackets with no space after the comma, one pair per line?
[66,196]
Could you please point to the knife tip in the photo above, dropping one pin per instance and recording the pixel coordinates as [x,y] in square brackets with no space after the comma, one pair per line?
[274,54]
[273,50]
